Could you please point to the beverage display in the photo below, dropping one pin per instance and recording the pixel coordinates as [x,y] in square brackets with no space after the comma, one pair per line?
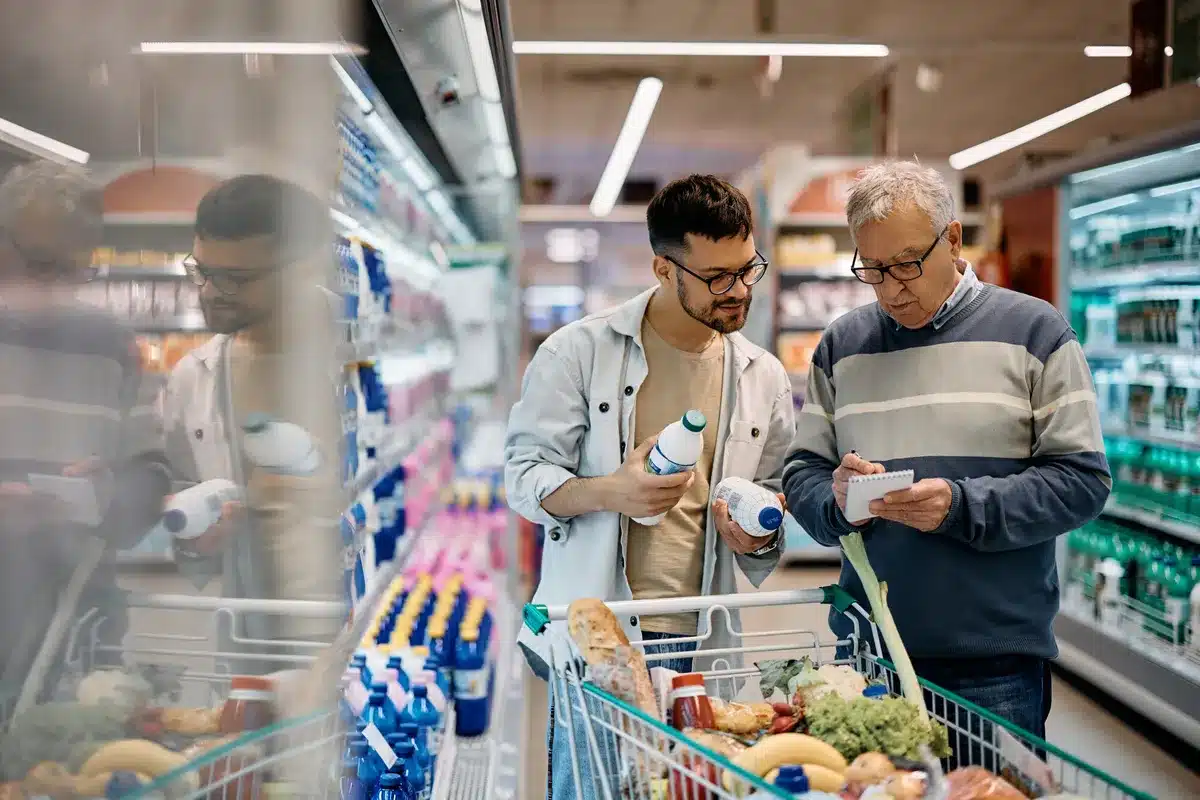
[757,510]
[677,450]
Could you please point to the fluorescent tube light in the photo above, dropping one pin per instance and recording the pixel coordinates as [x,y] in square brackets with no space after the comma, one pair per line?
[347,222]
[251,48]
[481,56]
[39,145]
[1038,128]
[1079,212]
[353,89]
[787,49]
[628,142]
[1175,188]
[1108,51]
[1111,169]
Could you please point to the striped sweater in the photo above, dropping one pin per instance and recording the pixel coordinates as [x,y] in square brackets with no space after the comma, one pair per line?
[997,399]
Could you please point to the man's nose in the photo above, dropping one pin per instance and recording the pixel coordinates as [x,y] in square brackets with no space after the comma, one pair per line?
[739,290]
[891,287]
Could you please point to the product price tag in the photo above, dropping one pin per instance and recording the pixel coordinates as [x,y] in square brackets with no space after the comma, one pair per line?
[380,745]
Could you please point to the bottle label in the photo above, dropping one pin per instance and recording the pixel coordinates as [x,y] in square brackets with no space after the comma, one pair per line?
[658,464]
[470,684]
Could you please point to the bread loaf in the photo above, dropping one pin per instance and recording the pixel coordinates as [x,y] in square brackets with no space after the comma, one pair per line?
[613,664]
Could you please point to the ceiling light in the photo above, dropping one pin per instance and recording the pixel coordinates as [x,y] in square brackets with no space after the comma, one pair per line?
[347,222]
[1108,51]
[1175,188]
[39,145]
[1079,212]
[628,142]
[786,49]
[251,48]
[1038,128]
[1110,169]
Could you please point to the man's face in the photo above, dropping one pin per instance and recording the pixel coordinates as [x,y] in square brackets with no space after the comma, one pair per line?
[240,289]
[48,245]
[905,236]
[724,313]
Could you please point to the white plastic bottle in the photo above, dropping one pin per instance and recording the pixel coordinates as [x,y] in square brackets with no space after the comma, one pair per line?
[677,450]
[279,447]
[189,514]
[755,509]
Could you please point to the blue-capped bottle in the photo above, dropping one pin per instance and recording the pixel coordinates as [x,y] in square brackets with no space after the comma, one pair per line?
[349,786]
[391,787]
[406,753]
[420,739]
[472,687]
[355,738]
[358,661]
[370,767]
[377,714]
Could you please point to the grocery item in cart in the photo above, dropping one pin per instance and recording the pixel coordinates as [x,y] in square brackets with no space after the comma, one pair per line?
[250,705]
[976,783]
[613,664]
[757,510]
[677,450]
[889,725]
[690,707]
[773,752]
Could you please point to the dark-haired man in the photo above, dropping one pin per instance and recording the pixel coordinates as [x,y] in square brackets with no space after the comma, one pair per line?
[594,398]
[252,233]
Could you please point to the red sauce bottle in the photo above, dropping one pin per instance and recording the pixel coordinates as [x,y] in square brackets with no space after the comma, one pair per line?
[249,706]
[689,703]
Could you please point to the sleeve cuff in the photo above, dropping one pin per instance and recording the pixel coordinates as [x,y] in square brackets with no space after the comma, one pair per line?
[547,479]
[954,514]
[838,520]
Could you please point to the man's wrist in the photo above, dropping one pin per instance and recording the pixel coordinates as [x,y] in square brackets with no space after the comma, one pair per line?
[600,493]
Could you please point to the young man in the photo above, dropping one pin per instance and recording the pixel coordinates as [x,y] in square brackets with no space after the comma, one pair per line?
[253,233]
[987,396]
[594,398]
[74,403]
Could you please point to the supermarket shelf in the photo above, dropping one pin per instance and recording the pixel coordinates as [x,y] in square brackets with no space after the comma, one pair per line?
[1152,519]
[1162,687]
[1137,275]
[1177,440]
[1120,351]
[403,441]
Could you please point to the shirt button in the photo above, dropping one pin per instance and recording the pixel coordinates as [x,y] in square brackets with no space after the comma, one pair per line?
[199,433]
[604,408]
[628,391]
[754,433]
[633,621]
[555,536]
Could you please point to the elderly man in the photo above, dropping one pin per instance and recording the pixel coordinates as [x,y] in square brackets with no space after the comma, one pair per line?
[75,404]
[986,395]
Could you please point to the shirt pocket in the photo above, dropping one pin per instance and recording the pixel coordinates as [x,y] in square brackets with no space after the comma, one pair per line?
[743,448]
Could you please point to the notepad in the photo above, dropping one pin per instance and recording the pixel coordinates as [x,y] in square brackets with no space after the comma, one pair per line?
[862,489]
[78,496]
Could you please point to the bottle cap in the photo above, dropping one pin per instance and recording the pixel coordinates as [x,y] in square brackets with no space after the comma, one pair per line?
[690,679]
[390,780]
[770,518]
[792,778]
[694,421]
[875,690]
[420,690]
[251,683]
[421,651]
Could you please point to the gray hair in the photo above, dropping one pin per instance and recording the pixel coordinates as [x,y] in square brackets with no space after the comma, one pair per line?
[66,189]
[881,188]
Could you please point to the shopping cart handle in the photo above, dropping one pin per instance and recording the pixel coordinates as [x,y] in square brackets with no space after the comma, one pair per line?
[837,597]
[535,616]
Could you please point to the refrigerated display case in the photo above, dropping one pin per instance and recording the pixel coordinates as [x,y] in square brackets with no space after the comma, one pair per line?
[1128,254]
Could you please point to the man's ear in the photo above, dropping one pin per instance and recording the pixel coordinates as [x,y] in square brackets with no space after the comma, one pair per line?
[662,270]
[954,236]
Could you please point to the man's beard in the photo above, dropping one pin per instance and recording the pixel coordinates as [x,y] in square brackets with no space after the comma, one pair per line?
[707,316]
[228,318]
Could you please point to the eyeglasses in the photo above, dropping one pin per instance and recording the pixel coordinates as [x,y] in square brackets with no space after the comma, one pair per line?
[902,270]
[225,281]
[750,274]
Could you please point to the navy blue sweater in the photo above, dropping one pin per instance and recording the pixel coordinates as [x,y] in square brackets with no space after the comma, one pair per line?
[998,400]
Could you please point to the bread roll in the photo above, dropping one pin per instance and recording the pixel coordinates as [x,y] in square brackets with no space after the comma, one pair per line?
[595,630]
[192,721]
[613,664]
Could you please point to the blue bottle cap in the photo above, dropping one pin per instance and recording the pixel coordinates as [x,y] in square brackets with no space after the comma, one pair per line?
[791,778]
[405,748]
[875,691]
[379,687]
[433,663]
[359,727]
[395,662]
[390,780]
[358,749]
[420,690]
[770,518]
[409,729]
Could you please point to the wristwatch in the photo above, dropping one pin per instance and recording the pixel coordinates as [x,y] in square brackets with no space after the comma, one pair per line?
[769,546]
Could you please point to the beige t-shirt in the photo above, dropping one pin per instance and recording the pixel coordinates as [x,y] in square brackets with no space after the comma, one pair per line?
[667,560]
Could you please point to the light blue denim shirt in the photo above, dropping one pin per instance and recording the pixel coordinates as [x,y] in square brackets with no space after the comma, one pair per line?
[966,291]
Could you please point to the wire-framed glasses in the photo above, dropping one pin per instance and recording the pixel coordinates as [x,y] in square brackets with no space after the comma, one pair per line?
[901,270]
[721,283]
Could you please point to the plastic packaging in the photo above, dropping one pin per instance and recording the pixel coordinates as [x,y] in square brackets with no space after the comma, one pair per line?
[677,450]
[976,783]
[190,514]
[757,510]
[249,705]
[690,707]
[282,448]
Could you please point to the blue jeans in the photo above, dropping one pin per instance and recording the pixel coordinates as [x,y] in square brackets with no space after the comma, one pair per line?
[560,778]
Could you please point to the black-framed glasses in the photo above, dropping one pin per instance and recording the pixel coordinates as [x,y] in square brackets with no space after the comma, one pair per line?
[750,274]
[225,281]
[902,270]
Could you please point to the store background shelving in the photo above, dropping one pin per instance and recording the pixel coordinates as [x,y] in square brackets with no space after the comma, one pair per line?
[1128,257]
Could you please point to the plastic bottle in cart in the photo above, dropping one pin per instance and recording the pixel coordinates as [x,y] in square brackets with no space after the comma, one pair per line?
[757,510]
[677,450]
[793,779]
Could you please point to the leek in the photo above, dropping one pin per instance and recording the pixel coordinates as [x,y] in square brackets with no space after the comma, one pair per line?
[856,550]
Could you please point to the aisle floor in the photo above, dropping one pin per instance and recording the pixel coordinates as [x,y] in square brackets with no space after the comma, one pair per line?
[1076,723]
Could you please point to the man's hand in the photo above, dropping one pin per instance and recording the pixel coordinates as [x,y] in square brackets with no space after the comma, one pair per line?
[852,464]
[923,507]
[733,534]
[214,540]
[636,493]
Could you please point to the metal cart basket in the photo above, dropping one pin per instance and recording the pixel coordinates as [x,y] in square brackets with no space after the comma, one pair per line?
[617,751]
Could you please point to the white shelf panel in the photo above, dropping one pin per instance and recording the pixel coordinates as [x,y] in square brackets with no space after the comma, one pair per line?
[1177,440]
[1138,275]
[1151,519]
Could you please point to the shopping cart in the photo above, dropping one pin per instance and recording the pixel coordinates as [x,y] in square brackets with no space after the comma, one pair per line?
[617,751]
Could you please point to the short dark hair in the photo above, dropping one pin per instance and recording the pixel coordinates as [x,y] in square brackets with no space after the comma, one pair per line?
[248,206]
[702,205]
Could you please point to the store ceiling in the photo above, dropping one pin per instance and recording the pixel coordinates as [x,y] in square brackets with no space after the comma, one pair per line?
[1003,64]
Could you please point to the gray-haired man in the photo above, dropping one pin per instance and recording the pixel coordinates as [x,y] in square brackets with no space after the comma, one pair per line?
[73,403]
[986,395]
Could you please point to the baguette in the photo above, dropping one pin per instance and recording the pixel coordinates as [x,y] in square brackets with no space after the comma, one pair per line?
[613,664]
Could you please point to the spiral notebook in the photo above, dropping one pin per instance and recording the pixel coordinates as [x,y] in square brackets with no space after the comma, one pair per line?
[862,489]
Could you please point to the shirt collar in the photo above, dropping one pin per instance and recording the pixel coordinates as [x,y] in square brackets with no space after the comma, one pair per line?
[963,293]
